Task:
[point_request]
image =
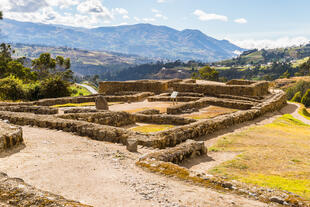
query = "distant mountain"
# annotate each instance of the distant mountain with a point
(140, 39)
(83, 62)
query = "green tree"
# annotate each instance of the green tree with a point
(11, 88)
(47, 66)
(208, 73)
(5, 58)
(305, 67)
(1, 15)
(306, 98)
(286, 74)
(54, 87)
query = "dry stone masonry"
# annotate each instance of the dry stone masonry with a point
(174, 145)
(10, 136)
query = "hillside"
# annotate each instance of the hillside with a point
(84, 62)
(266, 56)
(141, 39)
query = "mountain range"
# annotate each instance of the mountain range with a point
(141, 39)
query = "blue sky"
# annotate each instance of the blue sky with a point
(248, 23)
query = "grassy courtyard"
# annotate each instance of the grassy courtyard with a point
(275, 155)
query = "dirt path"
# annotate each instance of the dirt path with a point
(102, 174)
(293, 108)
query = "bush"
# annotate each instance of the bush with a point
(297, 97)
(11, 88)
(301, 86)
(306, 99)
(54, 87)
(32, 91)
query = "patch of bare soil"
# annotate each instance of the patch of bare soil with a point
(102, 174)
(140, 106)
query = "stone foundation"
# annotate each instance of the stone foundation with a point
(30, 109)
(204, 102)
(10, 136)
(111, 87)
(15, 192)
(256, 89)
(110, 118)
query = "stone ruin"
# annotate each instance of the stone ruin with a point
(251, 99)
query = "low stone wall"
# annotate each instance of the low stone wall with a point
(162, 119)
(10, 136)
(92, 98)
(204, 102)
(30, 109)
(129, 98)
(177, 154)
(16, 103)
(80, 110)
(239, 82)
(110, 118)
(111, 87)
(149, 112)
(176, 135)
(15, 192)
(169, 99)
(253, 90)
(81, 128)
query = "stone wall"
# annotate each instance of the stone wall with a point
(177, 154)
(239, 82)
(80, 110)
(162, 119)
(30, 109)
(111, 87)
(253, 90)
(81, 128)
(92, 98)
(15, 192)
(204, 102)
(10, 136)
(176, 135)
(169, 99)
(110, 118)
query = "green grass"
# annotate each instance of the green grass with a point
(82, 104)
(151, 128)
(79, 91)
(304, 112)
(275, 155)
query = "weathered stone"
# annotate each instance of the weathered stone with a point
(132, 145)
(101, 103)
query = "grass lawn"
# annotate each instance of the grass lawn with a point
(151, 128)
(304, 112)
(275, 155)
(82, 104)
(79, 91)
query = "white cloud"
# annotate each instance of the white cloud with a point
(271, 44)
(126, 17)
(162, 1)
(207, 17)
(121, 11)
(155, 11)
(161, 16)
(25, 6)
(241, 21)
(94, 7)
(148, 19)
(63, 3)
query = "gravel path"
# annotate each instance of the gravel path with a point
(102, 174)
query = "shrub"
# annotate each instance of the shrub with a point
(11, 88)
(301, 86)
(297, 97)
(54, 87)
(306, 99)
(32, 91)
